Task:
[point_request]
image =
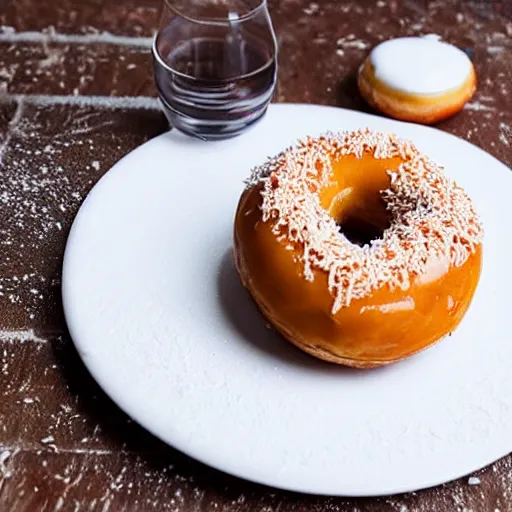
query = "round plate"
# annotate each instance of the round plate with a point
(157, 313)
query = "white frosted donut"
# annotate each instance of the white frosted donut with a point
(419, 79)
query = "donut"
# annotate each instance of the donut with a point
(357, 248)
(417, 79)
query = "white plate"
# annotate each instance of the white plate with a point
(159, 317)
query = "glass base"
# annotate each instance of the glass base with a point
(206, 129)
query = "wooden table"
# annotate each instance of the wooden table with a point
(76, 94)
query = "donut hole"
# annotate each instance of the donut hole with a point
(354, 198)
(360, 230)
(364, 223)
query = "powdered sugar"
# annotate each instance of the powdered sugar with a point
(110, 102)
(431, 217)
(20, 336)
(5, 455)
(505, 134)
(9, 35)
(11, 129)
(37, 196)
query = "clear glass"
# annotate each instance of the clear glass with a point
(215, 64)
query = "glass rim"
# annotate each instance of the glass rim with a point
(213, 20)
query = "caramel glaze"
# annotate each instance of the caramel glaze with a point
(372, 331)
(425, 109)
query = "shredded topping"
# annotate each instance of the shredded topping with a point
(431, 217)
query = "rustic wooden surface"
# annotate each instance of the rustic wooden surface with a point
(76, 94)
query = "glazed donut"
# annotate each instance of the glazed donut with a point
(357, 248)
(418, 79)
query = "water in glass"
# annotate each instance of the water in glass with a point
(215, 65)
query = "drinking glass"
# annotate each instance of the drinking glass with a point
(215, 65)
